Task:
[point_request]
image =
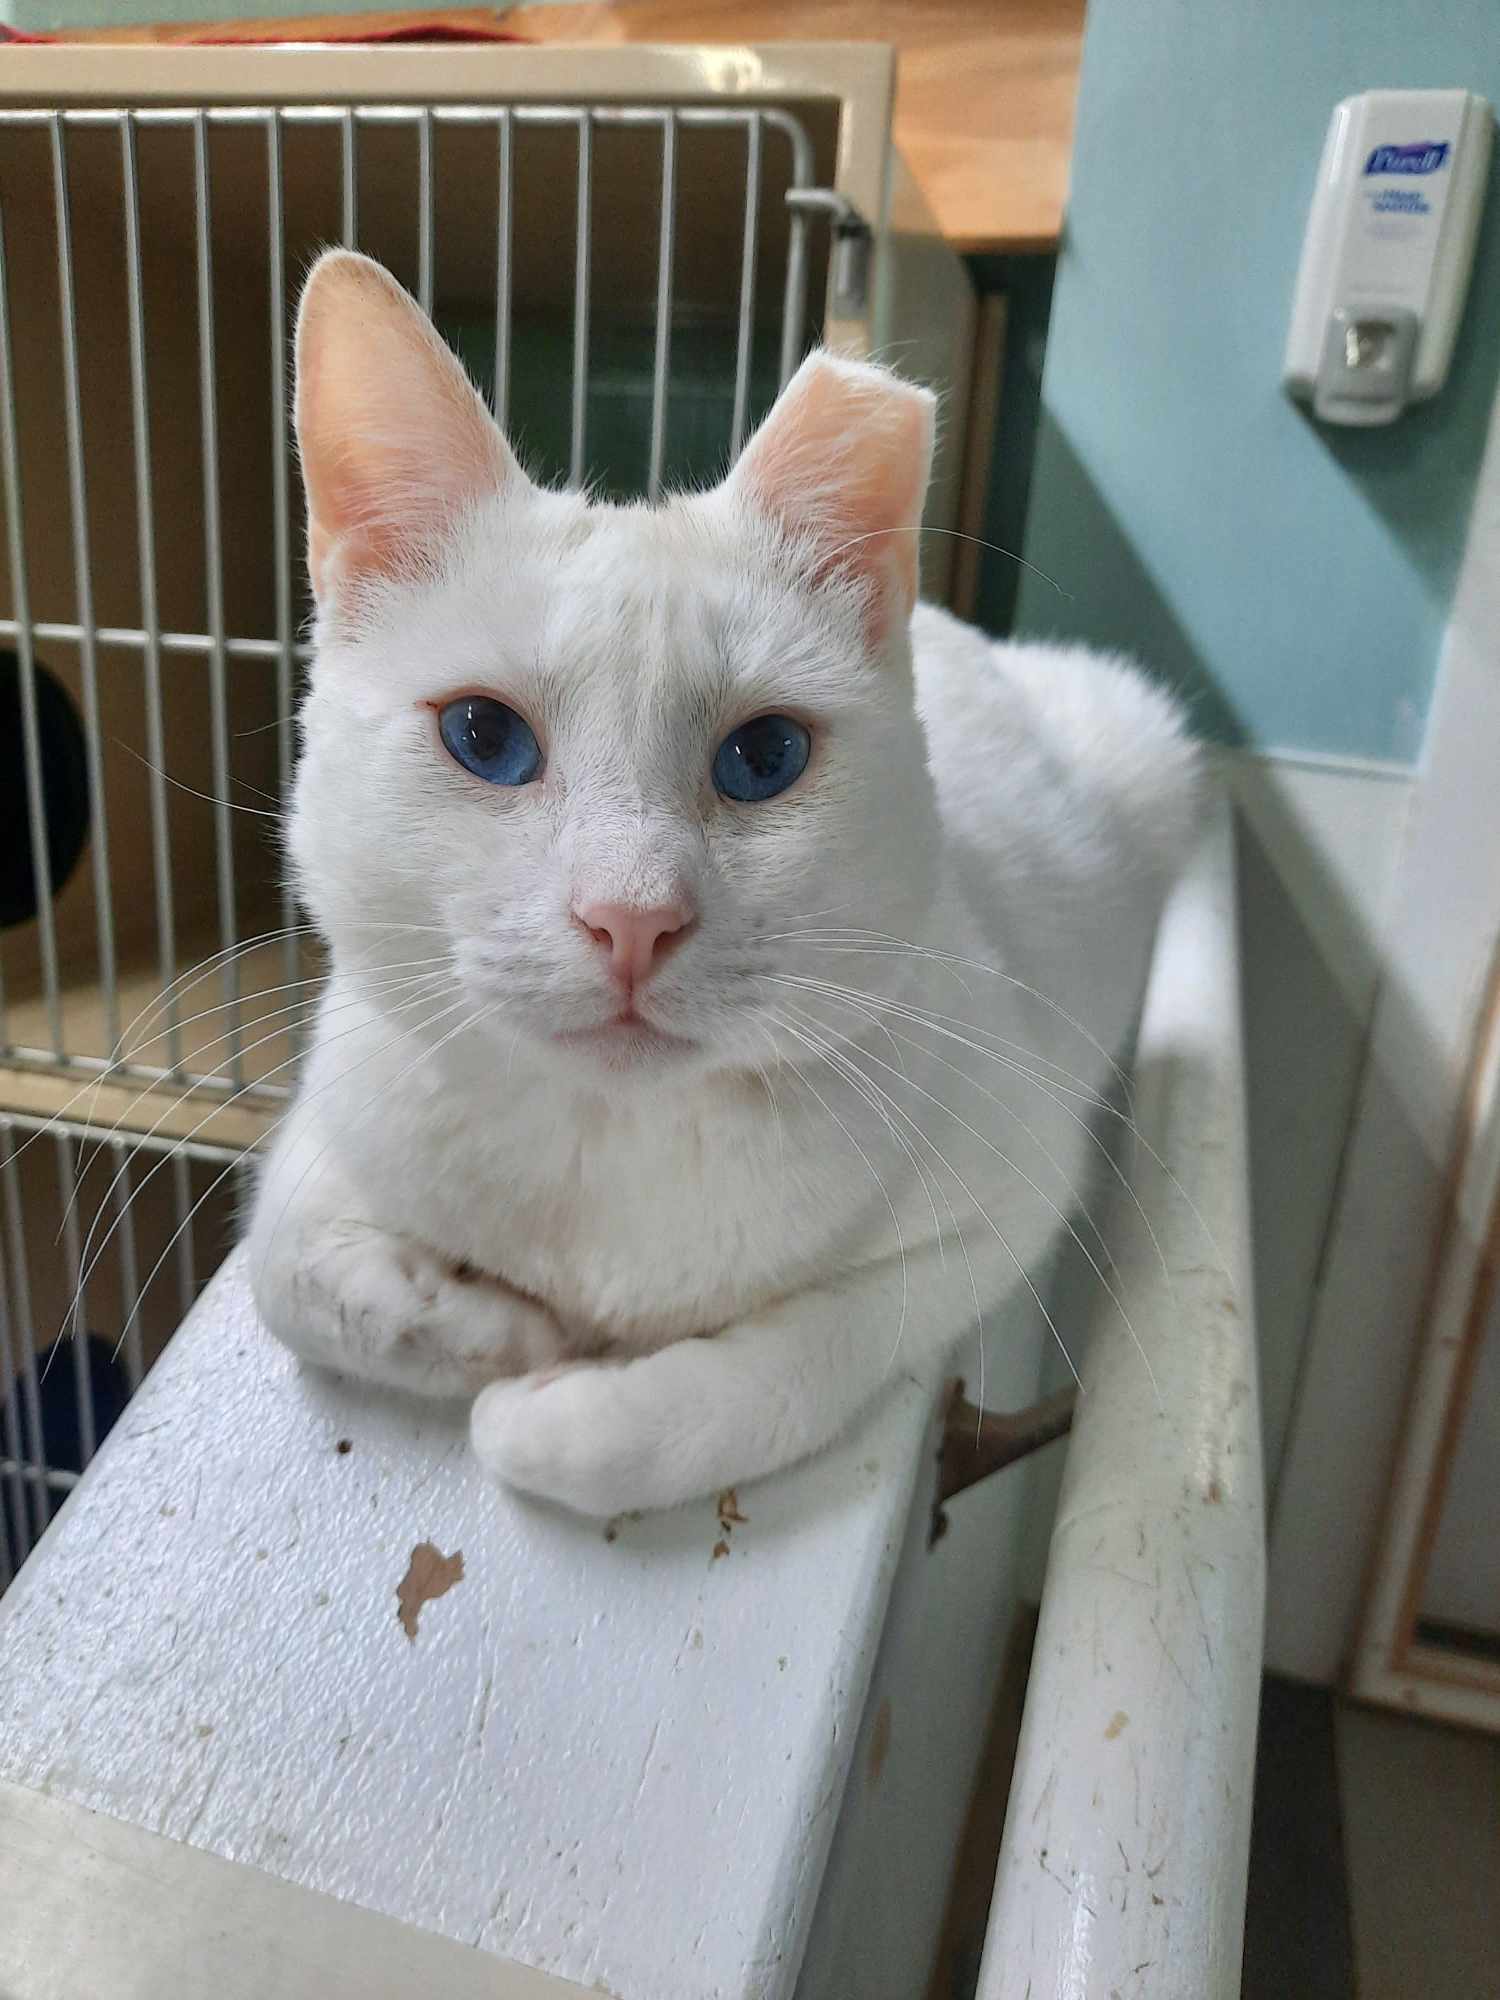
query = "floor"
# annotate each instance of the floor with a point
(1375, 1862)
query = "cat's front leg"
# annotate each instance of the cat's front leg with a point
(344, 1292)
(701, 1415)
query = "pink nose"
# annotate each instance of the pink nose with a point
(636, 940)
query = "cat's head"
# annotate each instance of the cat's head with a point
(606, 762)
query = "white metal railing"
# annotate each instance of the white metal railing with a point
(1126, 1849)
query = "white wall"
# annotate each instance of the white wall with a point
(1318, 846)
(1437, 949)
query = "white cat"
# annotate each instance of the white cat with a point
(682, 1072)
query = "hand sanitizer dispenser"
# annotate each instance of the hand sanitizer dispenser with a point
(1388, 251)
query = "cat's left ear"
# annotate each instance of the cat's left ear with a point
(395, 440)
(841, 465)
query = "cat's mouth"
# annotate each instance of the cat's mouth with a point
(628, 1037)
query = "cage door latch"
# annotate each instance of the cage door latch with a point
(853, 240)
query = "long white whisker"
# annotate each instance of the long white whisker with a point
(234, 1166)
(422, 1055)
(376, 988)
(958, 535)
(938, 1024)
(1019, 1048)
(1010, 979)
(194, 975)
(1042, 1195)
(824, 938)
(903, 1010)
(191, 976)
(828, 910)
(1025, 1276)
(872, 1096)
(382, 990)
(213, 1112)
(951, 1027)
(870, 1009)
(1083, 1125)
(114, 1063)
(318, 980)
(802, 1078)
(765, 1077)
(877, 1101)
(963, 1247)
(259, 812)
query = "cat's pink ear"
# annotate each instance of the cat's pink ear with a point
(394, 438)
(841, 465)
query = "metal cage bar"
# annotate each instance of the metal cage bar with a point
(504, 249)
(281, 533)
(581, 274)
(182, 1237)
(41, 865)
(130, 1262)
(213, 569)
(662, 363)
(30, 1124)
(24, 1341)
(83, 588)
(566, 115)
(749, 247)
(151, 646)
(349, 171)
(15, 1536)
(77, 1317)
(133, 639)
(426, 219)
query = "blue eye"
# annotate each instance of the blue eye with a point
(490, 740)
(761, 758)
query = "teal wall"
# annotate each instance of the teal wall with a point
(1293, 579)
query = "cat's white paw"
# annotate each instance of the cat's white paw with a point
(385, 1307)
(578, 1437)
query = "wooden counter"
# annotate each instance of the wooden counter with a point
(984, 109)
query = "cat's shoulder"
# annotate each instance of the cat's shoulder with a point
(1057, 730)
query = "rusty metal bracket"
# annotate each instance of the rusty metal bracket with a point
(978, 1442)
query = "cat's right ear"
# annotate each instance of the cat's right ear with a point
(841, 465)
(394, 438)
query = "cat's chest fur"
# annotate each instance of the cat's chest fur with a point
(642, 1222)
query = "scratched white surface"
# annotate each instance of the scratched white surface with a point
(619, 1761)
(1123, 1869)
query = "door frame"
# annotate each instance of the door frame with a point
(1392, 1231)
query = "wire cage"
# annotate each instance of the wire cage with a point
(147, 1218)
(629, 280)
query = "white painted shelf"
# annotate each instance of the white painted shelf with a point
(619, 1759)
